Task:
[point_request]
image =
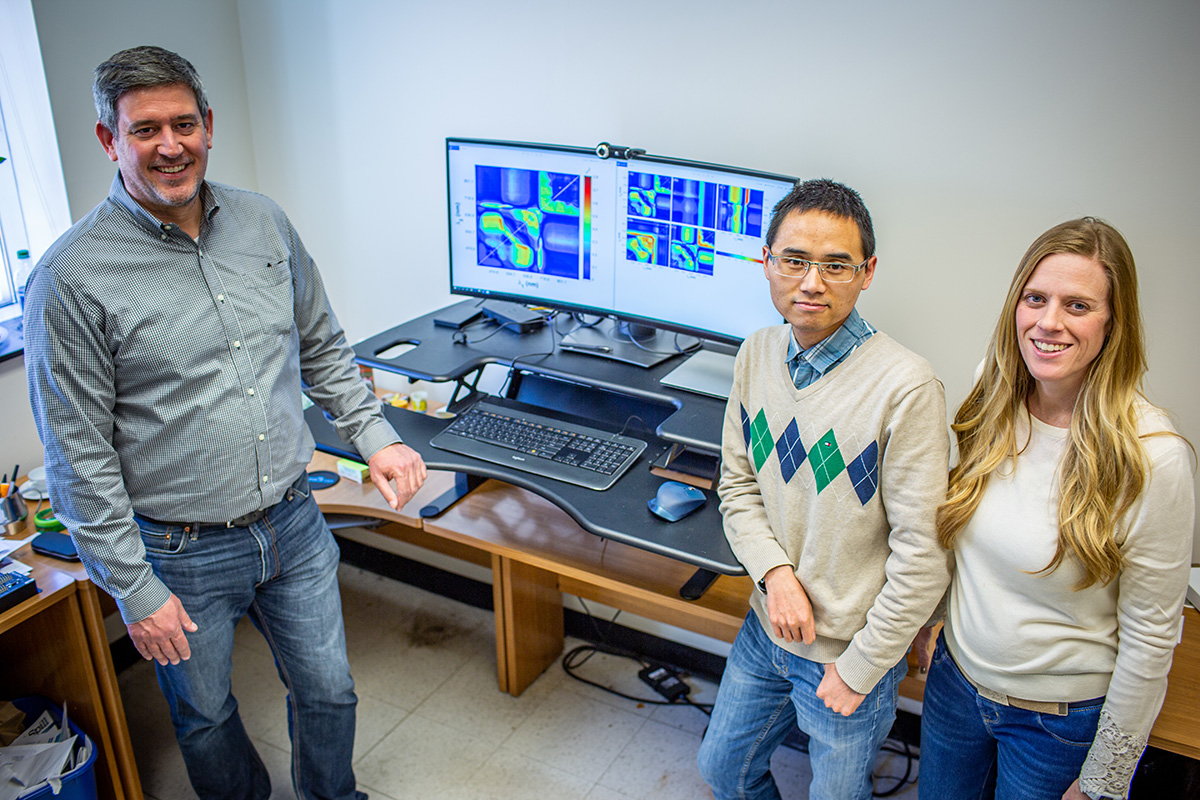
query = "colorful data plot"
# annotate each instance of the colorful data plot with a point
(740, 210)
(692, 249)
(698, 209)
(649, 196)
(530, 220)
(648, 242)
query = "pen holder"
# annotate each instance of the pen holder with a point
(12, 513)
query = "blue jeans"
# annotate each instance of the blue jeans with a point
(765, 692)
(972, 747)
(282, 571)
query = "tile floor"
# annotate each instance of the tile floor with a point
(432, 724)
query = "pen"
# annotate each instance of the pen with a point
(591, 348)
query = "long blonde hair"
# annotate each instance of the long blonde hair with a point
(1104, 467)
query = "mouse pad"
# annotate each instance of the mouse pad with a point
(322, 478)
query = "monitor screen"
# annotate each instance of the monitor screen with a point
(667, 242)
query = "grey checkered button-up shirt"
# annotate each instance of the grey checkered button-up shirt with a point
(166, 374)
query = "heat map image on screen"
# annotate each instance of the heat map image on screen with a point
(692, 249)
(740, 210)
(529, 220)
(648, 242)
(697, 211)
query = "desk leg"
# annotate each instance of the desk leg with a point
(463, 483)
(529, 622)
(698, 584)
(106, 677)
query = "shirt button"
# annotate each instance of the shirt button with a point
(262, 437)
(221, 298)
(249, 391)
(264, 478)
(237, 345)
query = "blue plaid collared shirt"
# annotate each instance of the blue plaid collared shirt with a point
(807, 366)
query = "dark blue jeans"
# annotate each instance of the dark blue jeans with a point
(972, 747)
(765, 693)
(282, 571)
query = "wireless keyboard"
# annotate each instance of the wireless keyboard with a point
(539, 444)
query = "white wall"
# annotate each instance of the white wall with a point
(968, 130)
(76, 35)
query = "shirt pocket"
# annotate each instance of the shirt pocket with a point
(270, 294)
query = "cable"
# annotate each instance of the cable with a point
(580, 655)
(623, 328)
(460, 336)
(587, 612)
(629, 420)
(902, 781)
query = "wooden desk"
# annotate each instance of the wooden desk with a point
(54, 645)
(1178, 725)
(537, 552)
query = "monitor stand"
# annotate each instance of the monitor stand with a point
(640, 345)
(705, 372)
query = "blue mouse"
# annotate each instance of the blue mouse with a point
(676, 500)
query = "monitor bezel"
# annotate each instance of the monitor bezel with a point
(574, 308)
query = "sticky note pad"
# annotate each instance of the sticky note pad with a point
(353, 470)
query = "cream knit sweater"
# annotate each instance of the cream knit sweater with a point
(840, 480)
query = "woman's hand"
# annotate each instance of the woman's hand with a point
(923, 646)
(1073, 792)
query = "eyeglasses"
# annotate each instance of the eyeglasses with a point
(831, 271)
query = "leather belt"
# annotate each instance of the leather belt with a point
(1058, 709)
(244, 521)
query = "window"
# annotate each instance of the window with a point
(33, 198)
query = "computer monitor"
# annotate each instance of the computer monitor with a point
(663, 242)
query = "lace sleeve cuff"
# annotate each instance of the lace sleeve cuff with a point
(1111, 760)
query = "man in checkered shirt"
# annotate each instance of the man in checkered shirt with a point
(169, 336)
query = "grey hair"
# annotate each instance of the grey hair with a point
(140, 68)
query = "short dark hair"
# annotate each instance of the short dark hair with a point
(822, 194)
(139, 68)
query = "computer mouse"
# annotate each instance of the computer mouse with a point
(676, 500)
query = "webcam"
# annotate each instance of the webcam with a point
(621, 152)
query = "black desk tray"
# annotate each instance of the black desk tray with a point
(619, 514)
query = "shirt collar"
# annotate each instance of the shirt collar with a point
(834, 347)
(119, 194)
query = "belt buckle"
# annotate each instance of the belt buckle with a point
(1058, 709)
(246, 520)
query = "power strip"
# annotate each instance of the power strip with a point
(664, 681)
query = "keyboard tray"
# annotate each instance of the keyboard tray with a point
(539, 444)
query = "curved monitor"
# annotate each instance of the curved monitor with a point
(670, 243)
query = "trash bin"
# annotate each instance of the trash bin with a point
(79, 783)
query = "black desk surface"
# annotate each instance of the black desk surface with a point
(620, 513)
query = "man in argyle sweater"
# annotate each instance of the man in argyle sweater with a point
(834, 462)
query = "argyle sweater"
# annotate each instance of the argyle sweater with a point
(841, 480)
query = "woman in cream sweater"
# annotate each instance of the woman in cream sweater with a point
(1070, 516)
